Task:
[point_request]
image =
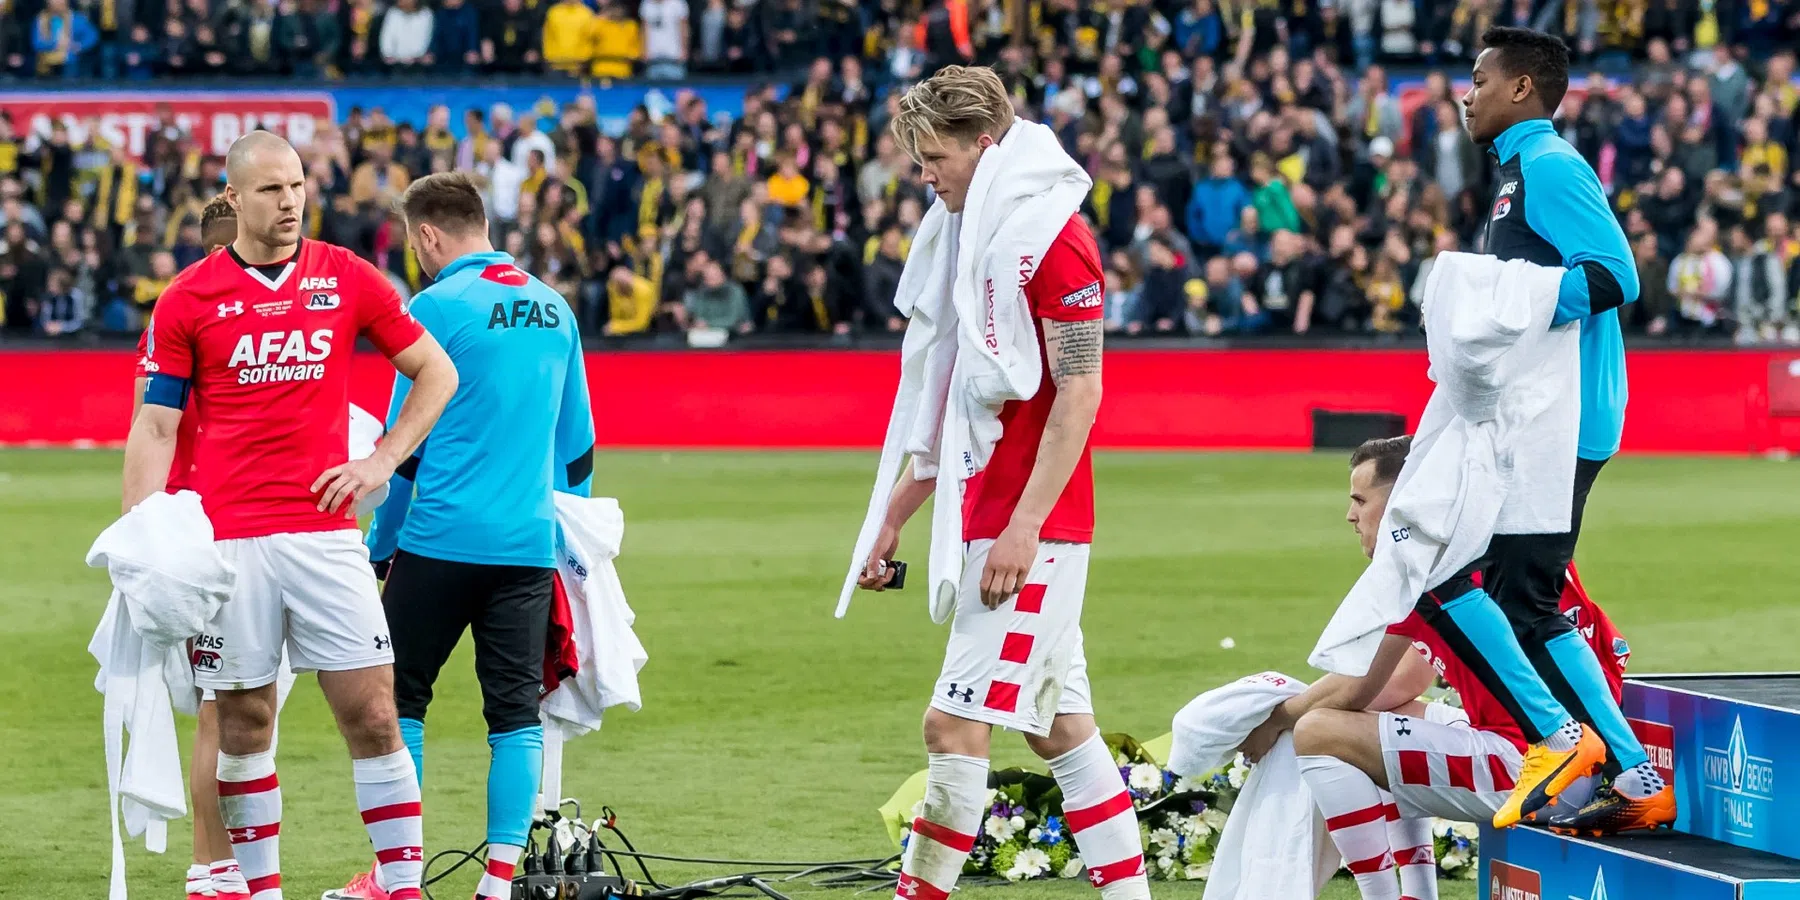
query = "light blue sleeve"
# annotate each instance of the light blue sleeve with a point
(390, 516)
(575, 425)
(1568, 208)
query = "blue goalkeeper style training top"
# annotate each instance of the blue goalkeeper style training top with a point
(479, 490)
(1549, 209)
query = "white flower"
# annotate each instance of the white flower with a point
(1120, 761)
(1018, 822)
(1146, 778)
(1072, 869)
(1454, 861)
(1165, 863)
(1163, 838)
(1237, 773)
(1197, 828)
(1468, 831)
(1200, 872)
(1186, 783)
(1030, 863)
(1035, 835)
(1214, 817)
(1000, 829)
(1442, 827)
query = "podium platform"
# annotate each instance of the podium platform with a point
(1730, 744)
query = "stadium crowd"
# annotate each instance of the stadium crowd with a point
(1256, 169)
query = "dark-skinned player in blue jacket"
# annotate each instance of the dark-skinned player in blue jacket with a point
(1550, 209)
(470, 520)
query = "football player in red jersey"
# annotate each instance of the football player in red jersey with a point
(260, 336)
(1371, 771)
(1015, 657)
(214, 873)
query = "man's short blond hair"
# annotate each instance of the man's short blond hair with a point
(960, 102)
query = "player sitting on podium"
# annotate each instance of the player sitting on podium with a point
(1437, 761)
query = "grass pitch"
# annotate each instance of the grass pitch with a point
(771, 730)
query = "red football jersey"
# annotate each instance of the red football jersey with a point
(267, 353)
(1484, 711)
(1068, 286)
(181, 467)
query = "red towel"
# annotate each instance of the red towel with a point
(560, 661)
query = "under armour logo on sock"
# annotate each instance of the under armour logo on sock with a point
(909, 886)
(382, 642)
(242, 835)
(966, 695)
(1400, 726)
(411, 853)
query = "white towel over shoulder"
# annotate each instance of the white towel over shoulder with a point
(971, 343)
(1495, 448)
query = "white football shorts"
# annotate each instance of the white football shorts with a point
(1440, 766)
(1021, 665)
(313, 592)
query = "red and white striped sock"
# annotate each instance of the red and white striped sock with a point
(228, 880)
(1414, 853)
(199, 881)
(496, 882)
(387, 792)
(1357, 819)
(250, 805)
(1102, 820)
(945, 831)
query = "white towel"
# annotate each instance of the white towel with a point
(1495, 448)
(589, 533)
(168, 579)
(971, 344)
(1274, 846)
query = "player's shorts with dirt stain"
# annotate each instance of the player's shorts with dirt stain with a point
(1021, 665)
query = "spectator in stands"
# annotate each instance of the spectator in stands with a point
(1700, 280)
(61, 38)
(618, 42)
(1216, 205)
(1283, 287)
(631, 301)
(407, 33)
(716, 302)
(569, 37)
(456, 36)
(64, 307)
(1759, 289)
(665, 26)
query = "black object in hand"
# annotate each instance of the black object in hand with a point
(898, 579)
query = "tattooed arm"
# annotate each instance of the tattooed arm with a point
(1072, 351)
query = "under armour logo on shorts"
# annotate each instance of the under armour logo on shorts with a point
(382, 642)
(1400, 726)
(966, 695)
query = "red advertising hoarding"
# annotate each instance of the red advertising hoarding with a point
(216, 118)
(1682, 401)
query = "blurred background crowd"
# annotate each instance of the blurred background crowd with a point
(1261, 167)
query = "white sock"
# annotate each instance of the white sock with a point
(496, 881)
(1102, 820)
(1357, 819)
(945, 831)
(228, 878)
(199, 879)
(250, 805)
(1415, 855)
(1640, 782)
(1563, 739)
(387, 793)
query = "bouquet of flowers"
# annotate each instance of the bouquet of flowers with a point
(1024, 835)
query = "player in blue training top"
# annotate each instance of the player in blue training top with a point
(1549, 209)
(472, 537)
